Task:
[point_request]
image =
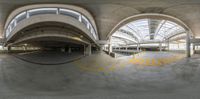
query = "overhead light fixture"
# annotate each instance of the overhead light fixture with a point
(25, 44)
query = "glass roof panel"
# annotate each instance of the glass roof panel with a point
(149, 30)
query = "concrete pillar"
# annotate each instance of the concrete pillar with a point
(102, 48)
(84, 49)
(160, 46)
(110, 48)
(25, 48)
(138, 47)
(69, 50)
(87, 49)
(188, 45)
(9, 48)
(168, 45)
(178, 45)
(193, 48)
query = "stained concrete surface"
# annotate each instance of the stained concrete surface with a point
(91, 78)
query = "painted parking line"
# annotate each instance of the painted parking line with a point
(140, 62)
(155, 61)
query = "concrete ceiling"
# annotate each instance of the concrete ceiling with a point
(51, 42)
(108, 13)
(40, 35)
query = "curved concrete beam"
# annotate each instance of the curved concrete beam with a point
(72, 7)
(50, 18)
(147, 15)
(175, 35)
(178, 38)
(124, 38)
(51, 35)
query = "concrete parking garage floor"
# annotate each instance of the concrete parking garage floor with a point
(99, 76)
(49, 57)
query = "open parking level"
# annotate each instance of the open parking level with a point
(89, 79)
(99, 49)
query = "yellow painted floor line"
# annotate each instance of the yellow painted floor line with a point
(155, 61)
(139, 61)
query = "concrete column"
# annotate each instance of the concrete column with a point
(110, 48)
(25, 48)
(138, 47)
(168, 45)
(178, 45)
(160, 46)
(101, 48)
(188, 45)
(87, 49)
(69, 50)
(193, 48)
(9, 48)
